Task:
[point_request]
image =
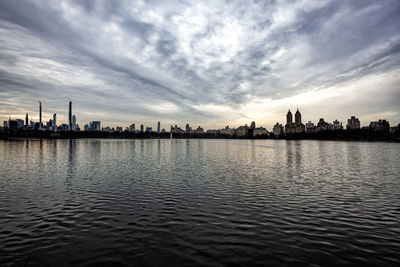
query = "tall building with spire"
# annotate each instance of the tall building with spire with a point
(70, 116)
(289, 122)
(297, 117)
(40, 115)
(54, 125)
(289, 118)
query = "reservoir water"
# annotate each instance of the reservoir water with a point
(198, 202)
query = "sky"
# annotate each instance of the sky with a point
(209, 63)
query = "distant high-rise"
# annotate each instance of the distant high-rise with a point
(322, 125)
(289, 118)
(188, 128)
(379, 125)
(158, 127)
(310, 127)
(94, 126)
(54, 122)
(70, 116)
(73, 123)
(278, 129)
(26, 119)
(40, 115)
(297, 126)
(141, 128)
(297, 117)
(353, 123)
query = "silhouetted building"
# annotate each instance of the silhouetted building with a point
(158, 127)
(40, 115)
(49, 124)
(149, 129)
(213, 132)
(176, 129)
(379, 125)
(70, 116)
(336, 125)
(199, 130)
(63, 127)
(353, 123)
(297, 126)
(107, 129)
(250, 130)
(95, 126)
(310, 127)
(20, 124)
(242, 130)
(54, 126)
(227, 131)
(289, 118)
(142, 128)
(278, 129)
(322, 125)
(26, 120)
(73, 125)
(13, 124)
(132, 127)
(188, 128)
(260, 131)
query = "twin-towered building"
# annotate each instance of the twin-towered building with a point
(297, 126)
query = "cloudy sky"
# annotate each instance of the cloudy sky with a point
(208, 63)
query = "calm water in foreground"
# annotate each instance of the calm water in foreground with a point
(199, 202)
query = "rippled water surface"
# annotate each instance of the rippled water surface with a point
(199, 202)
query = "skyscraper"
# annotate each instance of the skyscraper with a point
(289, 118)
(54, 122)
(141, 128)
(26, 119)
(94, 126)
(158, 127)
(70, 116)
(73, 128)
(289, 122)
(40, 115)
(297, 117)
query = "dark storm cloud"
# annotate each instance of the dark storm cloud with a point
(180, 61)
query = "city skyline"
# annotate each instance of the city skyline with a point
(211, 64)
(294, 125)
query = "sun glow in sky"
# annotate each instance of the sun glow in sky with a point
(208, 63)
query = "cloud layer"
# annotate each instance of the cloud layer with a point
(209, 63)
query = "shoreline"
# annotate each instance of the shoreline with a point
(12, 138)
